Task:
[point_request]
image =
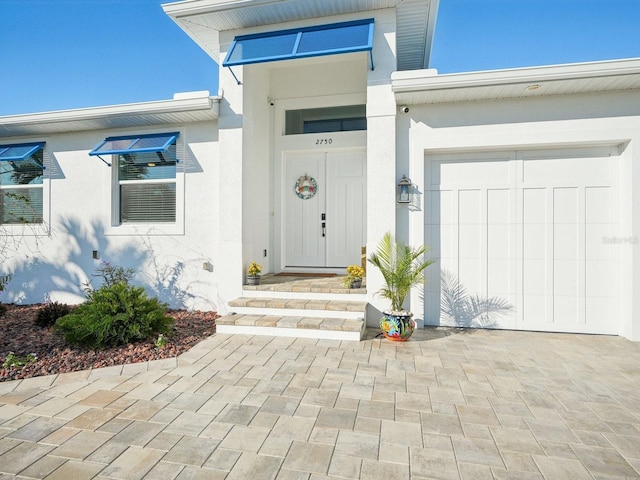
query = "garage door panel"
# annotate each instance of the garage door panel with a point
(470, 275)
(499, 279)
(534, 239)
(566, 241)
(599, 280)
(470, 207)
(534, 311)
(566, 167)
(535, 279)
(599, 312)
(470, 172)
(499, 206)
(596, 247)
(598, 205)
(565, 205)
(499, 238)
(534, 203)
(528, 229)
(566, 310)
(566, 275)
(470, 241)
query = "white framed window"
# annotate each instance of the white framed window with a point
(147, 181)
(21, 183)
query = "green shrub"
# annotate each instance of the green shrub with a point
(114, 314)
(14, 361)
(110, 275)
(50, 312)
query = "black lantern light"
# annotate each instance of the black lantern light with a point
(404, 190)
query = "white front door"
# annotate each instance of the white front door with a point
(325, 208)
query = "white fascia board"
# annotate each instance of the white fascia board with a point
(425, 80)
(92, 113)
(431, 30)
(195, 7)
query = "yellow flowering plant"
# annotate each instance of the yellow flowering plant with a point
(254, 269)
(354, 273)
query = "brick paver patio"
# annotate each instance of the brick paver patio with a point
(448, 404)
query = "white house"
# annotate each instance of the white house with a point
(524, 182)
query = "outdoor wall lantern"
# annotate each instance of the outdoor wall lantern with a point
(404, 190)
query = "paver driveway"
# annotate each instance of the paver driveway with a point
(448, 404)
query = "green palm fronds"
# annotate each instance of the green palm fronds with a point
(401, 266)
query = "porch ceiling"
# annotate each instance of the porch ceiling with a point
(178, 110)
(202, 20)
(427, 87)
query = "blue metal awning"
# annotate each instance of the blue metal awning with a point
(132, 144)
(331, 39)
(20, 151)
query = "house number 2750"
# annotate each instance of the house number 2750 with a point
(324, 141)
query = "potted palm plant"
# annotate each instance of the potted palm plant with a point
(402, 267)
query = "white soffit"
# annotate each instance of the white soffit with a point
(427, 87)
(202, 20)
(183, 108)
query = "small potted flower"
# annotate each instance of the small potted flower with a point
(354, 276)
(253, 273)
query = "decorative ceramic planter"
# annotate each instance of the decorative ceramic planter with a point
(397, 326)
(356, 283)
(253, 280)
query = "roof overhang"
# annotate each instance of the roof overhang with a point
(427, 87)
(203, 20)
(183, 108)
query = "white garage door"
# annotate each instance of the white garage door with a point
(523, 240)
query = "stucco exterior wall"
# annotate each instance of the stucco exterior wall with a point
(561, 121)
(168, 259)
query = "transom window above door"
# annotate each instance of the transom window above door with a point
(347, 118)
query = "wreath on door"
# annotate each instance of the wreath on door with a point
(306, 187)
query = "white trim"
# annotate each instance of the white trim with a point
(290, 332)
(421, 86)
(163, 111)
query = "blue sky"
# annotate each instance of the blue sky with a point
(64, 54)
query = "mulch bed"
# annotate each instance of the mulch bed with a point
(19, 334)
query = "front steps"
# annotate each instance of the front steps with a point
(303, 308)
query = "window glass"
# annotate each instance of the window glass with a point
(249, 49)
(21, 189)
(345, 37)
(329, 119)
(147, 187)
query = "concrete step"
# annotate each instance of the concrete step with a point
(293, 326)
(303, 307)
(278, 286)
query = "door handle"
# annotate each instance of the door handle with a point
(324, 228)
